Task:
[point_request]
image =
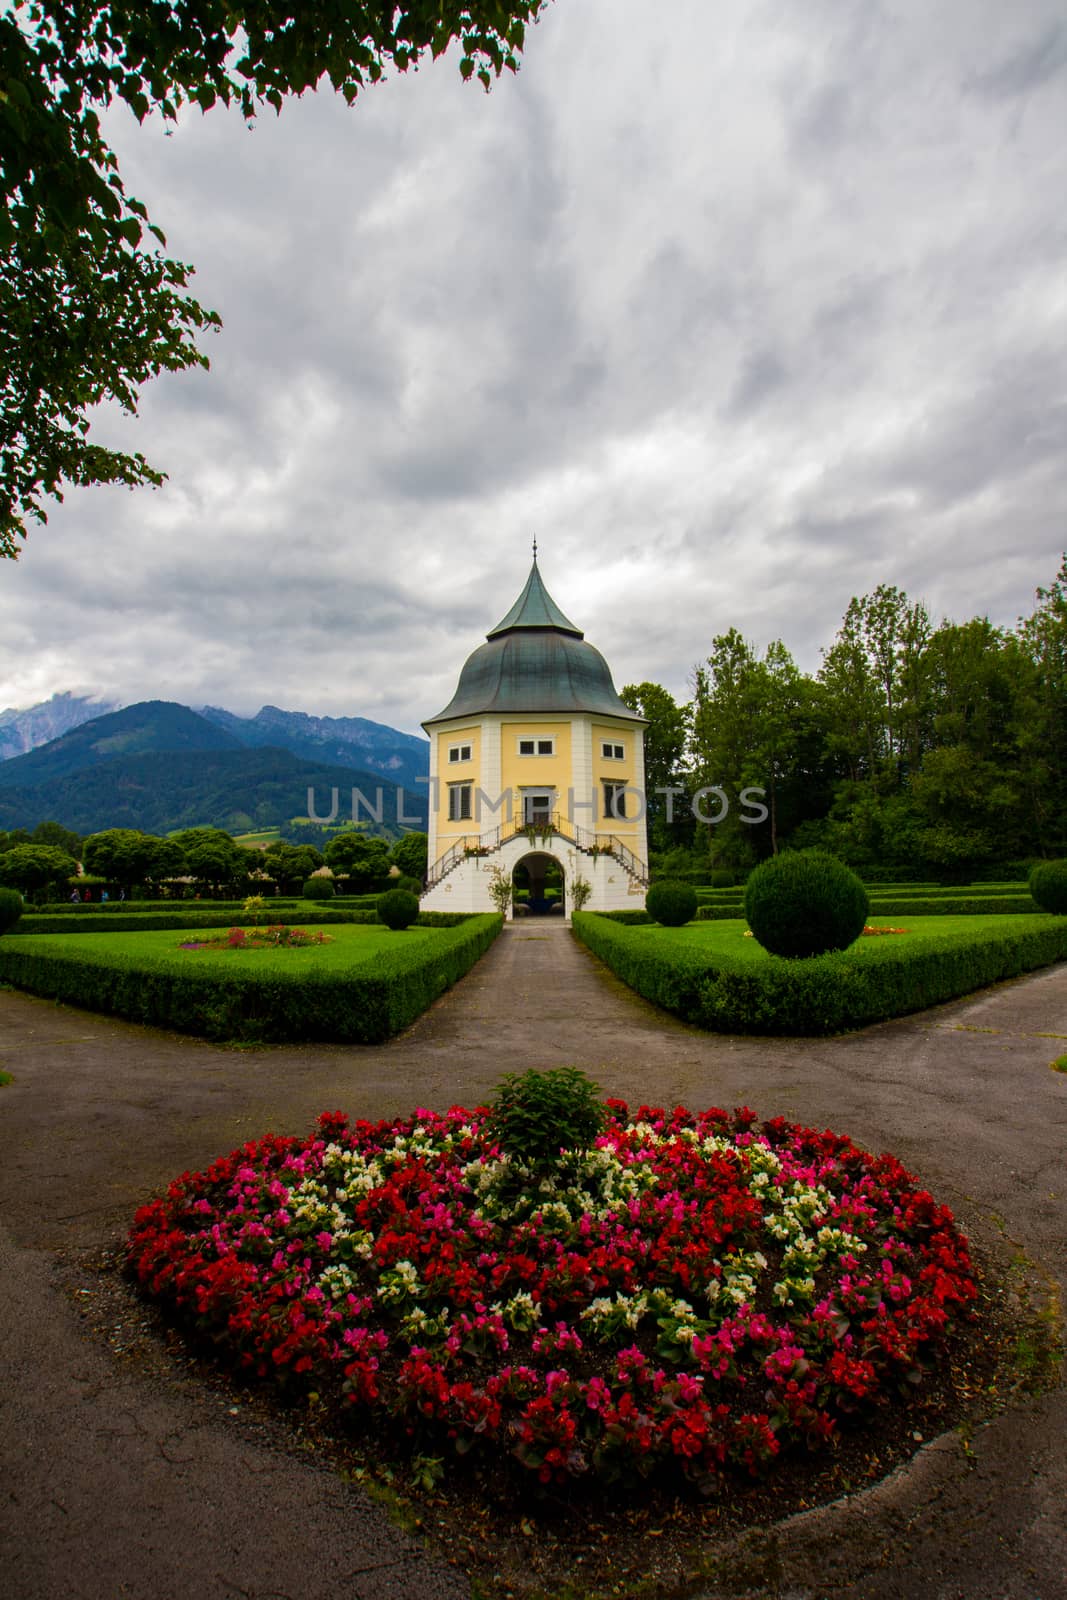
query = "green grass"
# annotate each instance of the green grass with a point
(725, 939)
(710, 974)
(350, 946)
(363, 986)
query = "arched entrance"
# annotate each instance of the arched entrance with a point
(538, 885)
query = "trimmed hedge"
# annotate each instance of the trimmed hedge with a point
(824, 994)
(366, 1005)
(1048, 885)
(151, 921)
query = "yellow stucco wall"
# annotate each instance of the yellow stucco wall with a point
(456, 772)
(612, 771)
(543, 772)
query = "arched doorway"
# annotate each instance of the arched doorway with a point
(538, 885)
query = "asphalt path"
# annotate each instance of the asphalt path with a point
(115, 1483)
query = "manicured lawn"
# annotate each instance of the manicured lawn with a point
(725, 939)
(710, 974)
(361, 987)
(350, 945)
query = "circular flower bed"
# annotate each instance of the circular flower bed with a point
(693, 1294)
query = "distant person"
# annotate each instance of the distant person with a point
(122, 895)
(103, 897)
(87, 897)
(75, 897)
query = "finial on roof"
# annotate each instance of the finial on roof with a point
(535, 546)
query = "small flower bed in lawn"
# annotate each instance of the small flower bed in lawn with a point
(258, 939)
(691, 1297)
(867, 933)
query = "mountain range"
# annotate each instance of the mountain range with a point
(159, 766)
(25, 730)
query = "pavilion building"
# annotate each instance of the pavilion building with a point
(536, 764)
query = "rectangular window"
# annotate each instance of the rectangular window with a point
(459, 802)
(615, 802)
(613, 752)
(537, 747)
(459, 752)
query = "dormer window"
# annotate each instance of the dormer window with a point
(459, 752)
(537, 747)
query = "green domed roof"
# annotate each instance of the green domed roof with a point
(535, 660)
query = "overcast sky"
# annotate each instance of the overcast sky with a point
(740, 308)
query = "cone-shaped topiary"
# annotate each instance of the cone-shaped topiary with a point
(398, 908)
(671, 903)
(804, 903)
(10, 908)
(1048, 886)
(318, 889)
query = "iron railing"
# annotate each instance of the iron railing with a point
(543, 829)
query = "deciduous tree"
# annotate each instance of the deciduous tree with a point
(90, 304)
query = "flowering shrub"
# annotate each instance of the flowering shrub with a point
(259, 939)
(692, 1295)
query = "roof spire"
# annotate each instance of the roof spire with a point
(535, 547)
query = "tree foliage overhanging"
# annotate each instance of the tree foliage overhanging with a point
(91, 306)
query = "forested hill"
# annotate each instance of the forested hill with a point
(234, 789)
(340, 741)
(149, 726)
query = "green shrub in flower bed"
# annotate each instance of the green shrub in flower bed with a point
(712, 975)
(361, 987)
(687, 1301)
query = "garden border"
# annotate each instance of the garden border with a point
(365, 1006)
(823, 994)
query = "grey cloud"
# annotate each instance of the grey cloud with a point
(1032, 65)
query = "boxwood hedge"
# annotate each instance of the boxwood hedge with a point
(150, 921)
(824, 994)
(361, 1006)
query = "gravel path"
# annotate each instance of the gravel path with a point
(118, 1484)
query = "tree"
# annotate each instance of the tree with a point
(410, 854)
(665, 742)
(212, 857)
(90, 306)
(31, 867)
(121, 855)
(360, 856)
(290, 864)
(62, 838)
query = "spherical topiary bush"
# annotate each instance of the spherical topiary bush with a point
(398, 908)
(671, 903)
(10, 908)
(804, 903)
(412, 885)
(1048, 886)
(318, 889)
